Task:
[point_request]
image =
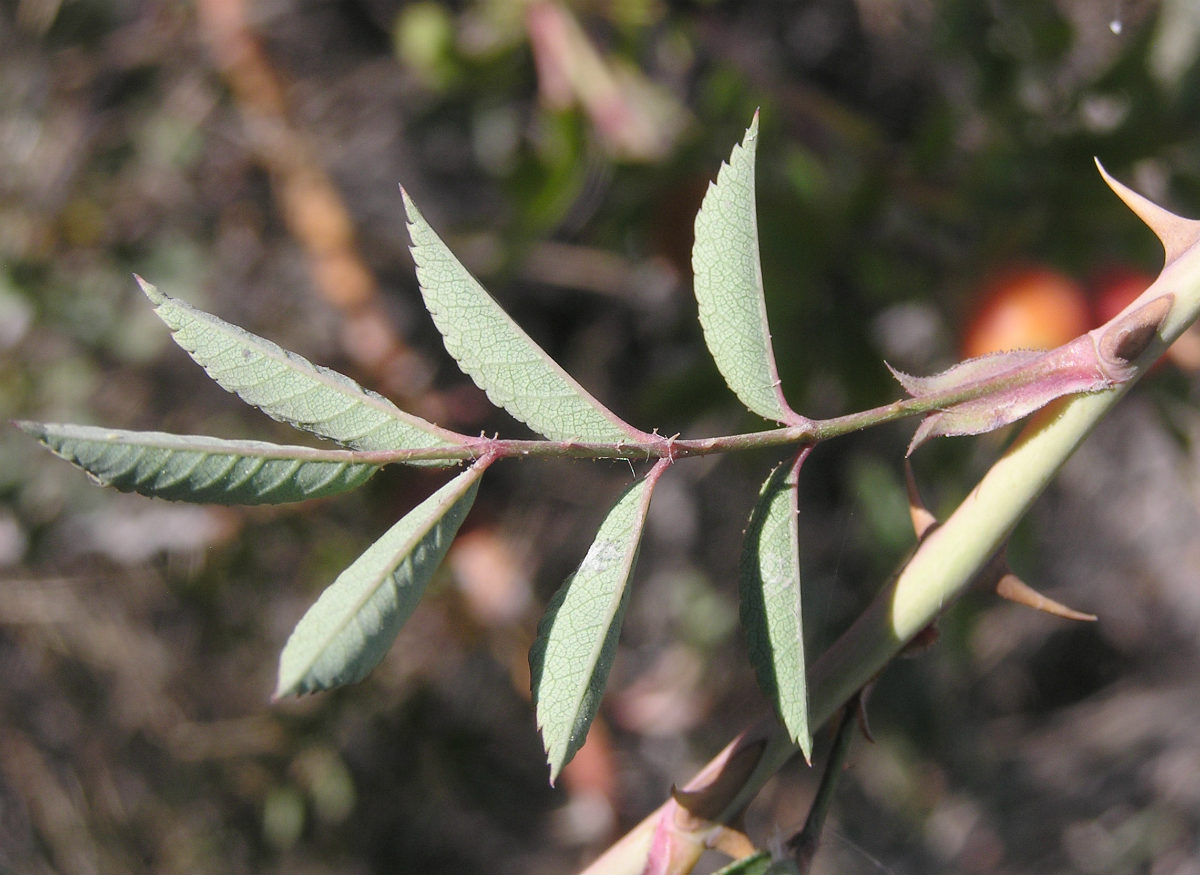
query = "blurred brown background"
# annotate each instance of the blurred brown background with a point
(245, 157)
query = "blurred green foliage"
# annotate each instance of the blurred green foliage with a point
(907, 151)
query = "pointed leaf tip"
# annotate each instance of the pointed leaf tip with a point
(150, 290)
(288, 387)
(729, 289)
(770, 601)
(577, 637)
(350, 628)
(1176, 233)
(497, 354)
(201, 469)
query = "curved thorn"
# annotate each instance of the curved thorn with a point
(1176, 233)
(860, 712)
(1014, 589)
(922, 519)
(734, 843)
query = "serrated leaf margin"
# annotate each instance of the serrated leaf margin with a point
(770, 600)
(202, 469)
(498, 355)
(729, 288)
(353, 623)
(316, 399)
(577, 636)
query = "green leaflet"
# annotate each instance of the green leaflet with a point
(770, 601)
(501, 358)
(292, 389)
(577, 637)
(202, 469)
(758, 863)
(351, 626)
(729, 289)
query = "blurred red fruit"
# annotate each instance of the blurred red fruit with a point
(1114, 288)
(1030, 307)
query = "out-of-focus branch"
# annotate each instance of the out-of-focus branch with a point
(313, 210)
(636, 120)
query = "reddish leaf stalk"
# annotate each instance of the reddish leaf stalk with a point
(972, 397)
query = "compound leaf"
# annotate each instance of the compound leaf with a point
(202, 469)
(500, 357)
(577, 637)
(770, 601)
(290, 388)
(729, 289)
(351, 626)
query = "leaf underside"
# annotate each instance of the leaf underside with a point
(498, 355)
(770, 602)
(729, 289)
(292, 389)
(577, 636)
(201, 469)
(351, 626)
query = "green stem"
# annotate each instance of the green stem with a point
(938, 572)
(804, 843)
(944, 564)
